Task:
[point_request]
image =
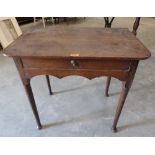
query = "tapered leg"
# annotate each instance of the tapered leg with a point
(48, 84)
(107, 86)
(28, 89)
(121, 102)
(30, 96)
(125, 89)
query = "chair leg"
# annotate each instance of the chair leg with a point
(107, 86)
(43, 20)
(34, 20)
(52, 20)
(48, 84)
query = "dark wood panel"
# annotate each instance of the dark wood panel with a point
(119, 74)
(96, 43)
(74, 63)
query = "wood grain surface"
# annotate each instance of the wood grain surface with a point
(96, 43)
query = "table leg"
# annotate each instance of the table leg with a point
(107, 86)
(48, 84)
(125, 89)
(30, 96)
(121, 102)
(28, 89)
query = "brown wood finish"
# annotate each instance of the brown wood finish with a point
(134, 31)
(108, 21)
(125, 89)
(49, 85)
(28, 90)
(107, 86)
(136, 25)
(80, 64)
(84, 43)
(78, 51)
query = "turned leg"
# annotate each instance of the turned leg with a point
(121, 102)
(125, 89)
(28, 89)
(48, 84)
(30, 96)
(107, 86)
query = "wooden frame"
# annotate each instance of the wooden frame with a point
(78, 51)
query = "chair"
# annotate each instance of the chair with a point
(9, 31)
(43, 20)
(108, 23)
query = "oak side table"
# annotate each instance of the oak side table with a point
(88, 52)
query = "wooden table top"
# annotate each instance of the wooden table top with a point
(66, 42)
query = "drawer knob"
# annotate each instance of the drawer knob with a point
(74, 63)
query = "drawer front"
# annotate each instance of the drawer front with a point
(48, 63)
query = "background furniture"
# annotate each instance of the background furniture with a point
(56, 20)
(24, 20)
(88, 52)
(43, 20)
(9, 31)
